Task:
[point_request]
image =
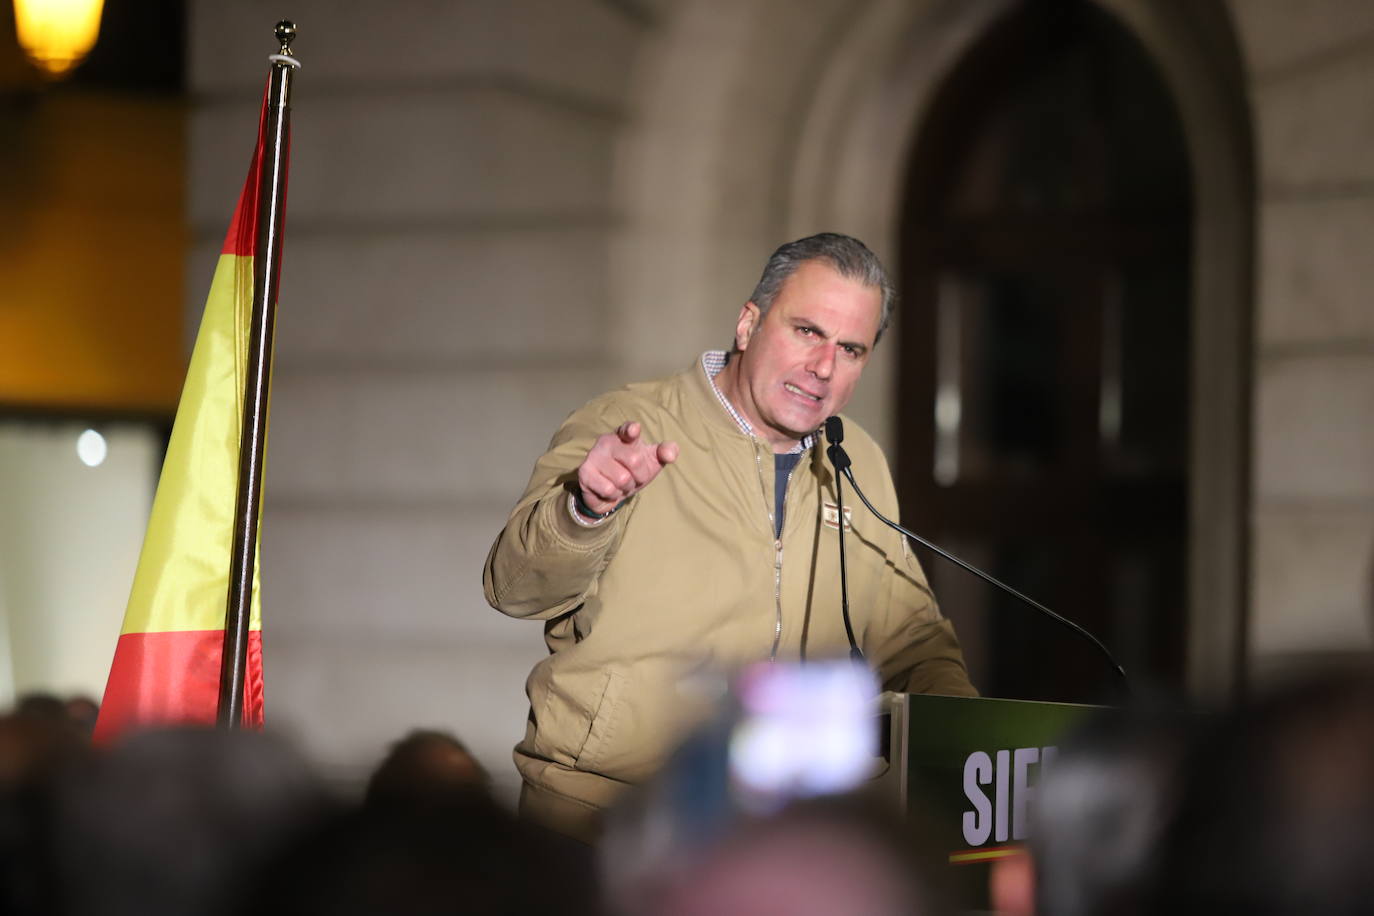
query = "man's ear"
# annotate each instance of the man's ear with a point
(749, 319)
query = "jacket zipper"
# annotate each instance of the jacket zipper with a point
(777, 549)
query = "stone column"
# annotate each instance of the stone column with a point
(1310, 66)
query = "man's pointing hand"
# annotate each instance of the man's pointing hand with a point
(619, 465)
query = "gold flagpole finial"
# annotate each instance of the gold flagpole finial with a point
(286, 33)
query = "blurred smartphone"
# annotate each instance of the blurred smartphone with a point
(802, 730)
(784, 731)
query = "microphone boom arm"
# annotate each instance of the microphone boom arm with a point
(1063, 621)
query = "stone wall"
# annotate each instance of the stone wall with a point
(1310, 67)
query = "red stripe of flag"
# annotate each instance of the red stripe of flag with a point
(241, 238)
(146, 663)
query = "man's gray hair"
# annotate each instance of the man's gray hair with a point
(850, 258)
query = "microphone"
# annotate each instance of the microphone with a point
(834, 431)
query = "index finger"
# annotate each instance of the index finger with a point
(628, 432)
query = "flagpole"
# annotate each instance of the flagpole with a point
(253, 438)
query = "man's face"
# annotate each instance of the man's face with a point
(800, 362)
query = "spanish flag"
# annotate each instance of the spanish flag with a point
(166, 666)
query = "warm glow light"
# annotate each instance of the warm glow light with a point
(57, 34)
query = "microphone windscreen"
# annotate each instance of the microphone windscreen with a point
(834, 430)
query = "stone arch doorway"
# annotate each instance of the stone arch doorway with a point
(1045, 263)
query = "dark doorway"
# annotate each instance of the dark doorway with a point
(1045, 352)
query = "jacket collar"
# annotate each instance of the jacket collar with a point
(718, 408)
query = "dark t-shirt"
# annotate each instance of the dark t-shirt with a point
(782, 469)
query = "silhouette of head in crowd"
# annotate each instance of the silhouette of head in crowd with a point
(460, 853)
(1263, 810)
(1277, 809)
(820, 856)
(424, 765)
(175, 821)
(1100, 808)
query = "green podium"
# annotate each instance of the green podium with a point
(964, 769)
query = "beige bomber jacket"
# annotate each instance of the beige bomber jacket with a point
(686, 582)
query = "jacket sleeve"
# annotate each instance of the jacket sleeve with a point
(910, 644)
(543, 563)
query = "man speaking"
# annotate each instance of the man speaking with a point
(687, 526)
